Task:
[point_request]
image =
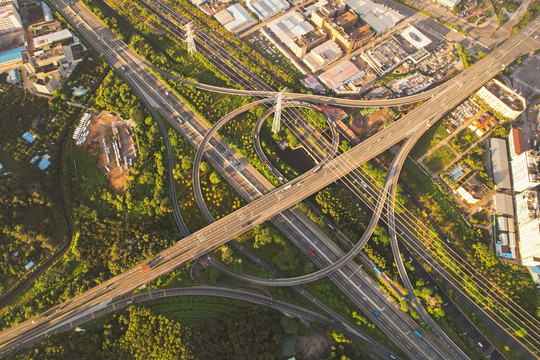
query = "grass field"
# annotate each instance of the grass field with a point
(430, 139)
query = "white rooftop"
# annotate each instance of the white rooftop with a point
(235, 18)
(449, 3)
(499, 160)
(52, 37)
(378, 16)
(265, 9)
(290, 26)
(415, 37)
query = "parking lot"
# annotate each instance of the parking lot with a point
(526, 77)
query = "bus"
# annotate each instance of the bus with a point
(312, 253)
(418, 334)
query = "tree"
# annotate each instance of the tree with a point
(214, 178)
(289, 325)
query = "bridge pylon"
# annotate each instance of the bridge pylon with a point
(276, 125)
(190, 40)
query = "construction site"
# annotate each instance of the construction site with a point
(110, 140)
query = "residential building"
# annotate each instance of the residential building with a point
(322, 55)
(499, 160)
(10, 20)
(302, 44)
(265, 9)
(8, 2)
(329, 10)
(525, 164)
(74, 53)
(482, 125)
(528, 220)
(502, 99)
(47, 83)
(342, 27)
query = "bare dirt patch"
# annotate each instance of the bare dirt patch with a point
(365, 125)
(314, 347)
(112, 145)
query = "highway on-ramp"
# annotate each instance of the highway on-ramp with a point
(234, 224)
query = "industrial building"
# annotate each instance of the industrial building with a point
(385, 57)
(504, 204)
(235, 18)
(502, 99)
(379, 17)
(341, 74)
(322, 55)
(449, 3)
(11, 59)
(265, 9)
(291, 27)
(499, 160)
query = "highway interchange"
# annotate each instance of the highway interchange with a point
(275, 201)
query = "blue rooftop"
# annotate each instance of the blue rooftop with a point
(1, 166)
(29, 137)
(13, 76)
(535, 269)
(10, 55)
(44, 163)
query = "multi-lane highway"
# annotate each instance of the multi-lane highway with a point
(236, 223)
(144, 83)
(229, 293)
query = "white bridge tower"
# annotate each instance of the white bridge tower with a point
(276, 125)
(192, 49)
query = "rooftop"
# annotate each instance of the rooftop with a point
(235, 18)
(339, 74)
(28, 137)
(507, 96)
(12, 40)
(504, 204)
(267, 8)
(57, 36)
(378, 16)
(517, 135)
(327, 50)
(11, 55)
(290, 26)
(346, 18)
(415, 37)
(499, 159)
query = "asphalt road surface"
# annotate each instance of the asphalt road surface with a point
(234, 224)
